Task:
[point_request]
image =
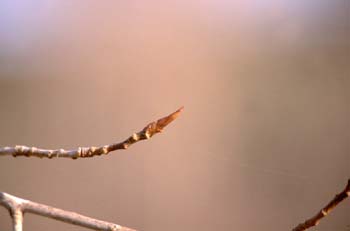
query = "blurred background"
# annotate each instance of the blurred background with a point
(263, 142)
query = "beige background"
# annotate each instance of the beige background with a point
(263, 142)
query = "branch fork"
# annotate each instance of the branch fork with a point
(17, 206)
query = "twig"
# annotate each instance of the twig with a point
(17, 207)
(83, 152)
(313, 221)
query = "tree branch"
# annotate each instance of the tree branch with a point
(17, 207)
(313, 221)
(83, 152)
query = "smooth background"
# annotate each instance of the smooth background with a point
(263, 142)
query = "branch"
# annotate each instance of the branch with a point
(83, 152)
(313, 221)
(17, 207)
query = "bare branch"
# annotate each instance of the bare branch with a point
(17, 207)
(83, 152)
(313, 221)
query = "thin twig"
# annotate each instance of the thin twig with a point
(83, 152)
(17, 207)
(313, 221)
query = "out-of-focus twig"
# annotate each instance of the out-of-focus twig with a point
(82, 152)
(313, 221)
(17, 207)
